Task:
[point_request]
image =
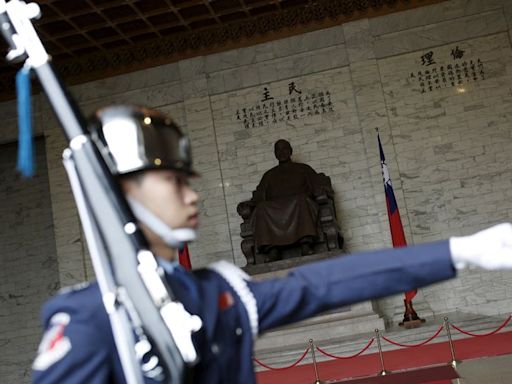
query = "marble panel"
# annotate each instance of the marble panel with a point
(358, 40)
(440, 33)
(191, 68)
(432, 14)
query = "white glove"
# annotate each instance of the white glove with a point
(488, 249)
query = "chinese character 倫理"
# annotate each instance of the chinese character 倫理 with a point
(428, 58)
(457, 53)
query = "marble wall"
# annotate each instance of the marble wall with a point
(448, 149)
(29, 270)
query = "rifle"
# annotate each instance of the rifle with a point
(144, 313)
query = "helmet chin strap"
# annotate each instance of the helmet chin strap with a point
(175, 238)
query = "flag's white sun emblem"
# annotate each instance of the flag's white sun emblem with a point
(385, 173)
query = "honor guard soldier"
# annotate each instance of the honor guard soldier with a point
(150, 158)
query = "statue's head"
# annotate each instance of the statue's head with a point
(283, 150)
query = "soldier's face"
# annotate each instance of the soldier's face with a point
(167, 194)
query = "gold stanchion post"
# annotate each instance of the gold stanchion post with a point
(313, 356)
(454, 362)
(383, 371)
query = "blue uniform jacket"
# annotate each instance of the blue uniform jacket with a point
(78, 346)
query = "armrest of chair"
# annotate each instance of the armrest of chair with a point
(323, 189)
(245, 209)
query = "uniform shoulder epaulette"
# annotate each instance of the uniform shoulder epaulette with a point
(74, 288)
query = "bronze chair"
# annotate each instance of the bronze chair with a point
(323, 196)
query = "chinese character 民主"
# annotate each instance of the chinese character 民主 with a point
(266, 95)
(293, 88)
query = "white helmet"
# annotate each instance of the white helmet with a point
(133, 139)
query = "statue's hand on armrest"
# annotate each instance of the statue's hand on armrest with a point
(245, 208)
(323, 187)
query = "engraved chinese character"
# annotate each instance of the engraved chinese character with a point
(266, 95)
(457, 53)
(293, 88)
(428, 59)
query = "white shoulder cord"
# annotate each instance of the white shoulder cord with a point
(237, 279)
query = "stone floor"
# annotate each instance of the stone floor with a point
(490, 370)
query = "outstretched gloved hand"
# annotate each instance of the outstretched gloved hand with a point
(488, 249)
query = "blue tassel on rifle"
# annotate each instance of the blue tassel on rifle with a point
(25, 141)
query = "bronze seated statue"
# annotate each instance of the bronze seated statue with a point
(291, 212)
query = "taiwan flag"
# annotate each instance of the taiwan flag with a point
(184, 257)
(395, 223)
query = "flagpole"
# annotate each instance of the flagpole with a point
(411, 318)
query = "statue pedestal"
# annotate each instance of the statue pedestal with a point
(283, 345)
(281, 267)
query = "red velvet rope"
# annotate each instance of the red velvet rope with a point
(346, 357)
(282, 368)
(414, 345)
(484, 334)
(389, 341)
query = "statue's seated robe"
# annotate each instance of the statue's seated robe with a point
(285, 210)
